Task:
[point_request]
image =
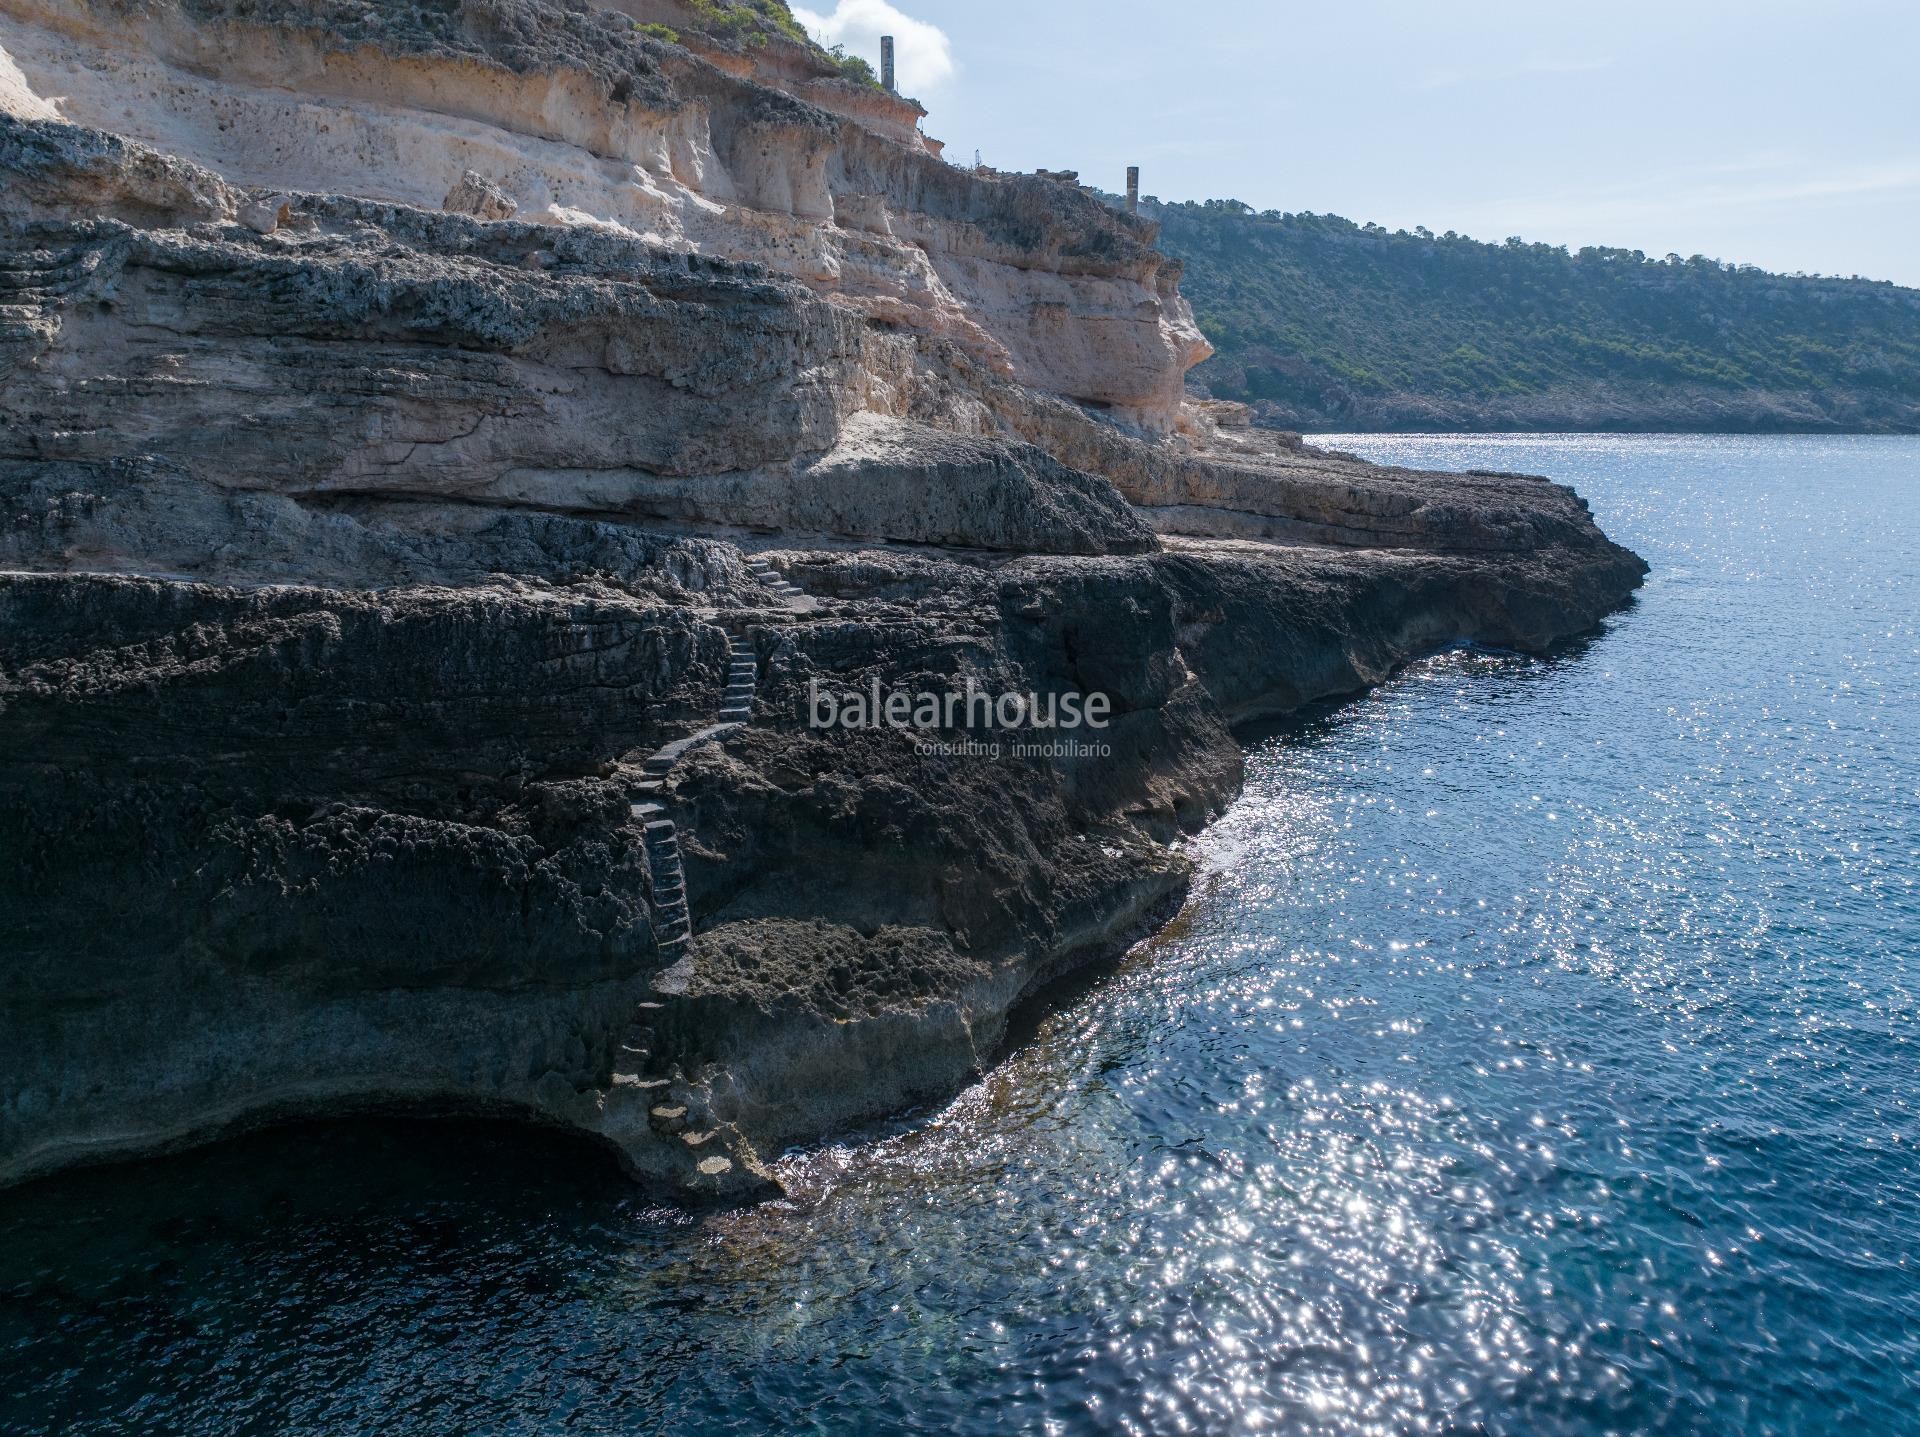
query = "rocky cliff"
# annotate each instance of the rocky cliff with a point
(448, 451)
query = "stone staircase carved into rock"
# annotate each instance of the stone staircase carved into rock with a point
(638, 1066)
(772, 578)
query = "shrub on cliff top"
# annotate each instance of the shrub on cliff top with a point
(852, 67)
(748, 21)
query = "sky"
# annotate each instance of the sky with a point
(1782, 135)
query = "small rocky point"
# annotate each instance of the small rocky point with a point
(442, 449)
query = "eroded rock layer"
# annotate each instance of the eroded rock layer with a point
(448, 451)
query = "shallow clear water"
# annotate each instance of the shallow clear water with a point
(1537, 1055)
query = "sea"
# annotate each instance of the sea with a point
(1536, 1055)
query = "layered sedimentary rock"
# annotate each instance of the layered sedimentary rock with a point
(399, 407)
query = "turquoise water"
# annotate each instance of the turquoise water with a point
(1536, 1056)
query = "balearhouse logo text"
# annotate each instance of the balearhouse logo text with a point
(1029, 724)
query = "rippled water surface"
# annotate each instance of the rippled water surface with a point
(1536, 1056)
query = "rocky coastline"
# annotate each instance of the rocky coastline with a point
(446, 452)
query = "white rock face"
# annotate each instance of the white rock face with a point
(480, 197)
(264, 216)
(1032, 277)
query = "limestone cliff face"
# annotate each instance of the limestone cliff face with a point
(401, 405)
(582, 120)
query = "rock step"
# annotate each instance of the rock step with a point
(699, 1140)
(737, 715)
(715, 1166)
(667, 757)
(648, 810)
(661, 827)
(647, 1086)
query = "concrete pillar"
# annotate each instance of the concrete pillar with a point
(1133, 189)
(886, 61)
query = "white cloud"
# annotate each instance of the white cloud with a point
(923, 56)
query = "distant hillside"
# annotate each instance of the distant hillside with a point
(1321, 323)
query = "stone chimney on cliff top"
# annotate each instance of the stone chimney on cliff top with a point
(1133, 189)
(886, 61)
